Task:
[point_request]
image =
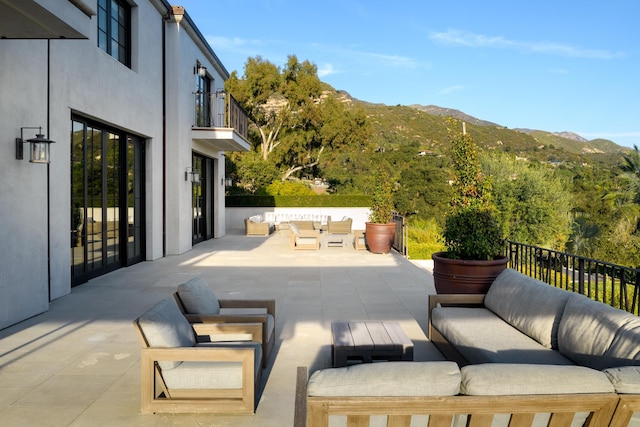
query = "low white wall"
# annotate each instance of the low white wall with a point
(235, 216)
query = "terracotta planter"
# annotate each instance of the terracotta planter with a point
(458, 276)
(380, 237)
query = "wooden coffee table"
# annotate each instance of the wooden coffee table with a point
(366, 342)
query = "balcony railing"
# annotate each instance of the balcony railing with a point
(612, 284)
(220, 110)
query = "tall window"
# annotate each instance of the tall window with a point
(114, 29)
(107, 196)
(203, 101)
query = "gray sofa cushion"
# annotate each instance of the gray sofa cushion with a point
(387, 379)
(532, 306)
(483, 337)
(599, 336)
(498, 379)
(198, 297)
(212, 374)
(164, 325)
(626, 379)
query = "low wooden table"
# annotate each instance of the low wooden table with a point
(365, 342)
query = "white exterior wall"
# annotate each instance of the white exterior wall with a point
(41, 84)
(182, 45)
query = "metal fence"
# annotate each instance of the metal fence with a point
(612, 284)
(401, 238)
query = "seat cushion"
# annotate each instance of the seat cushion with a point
(212, 374)
(499, 379)
(198, 297)
(533, 307)
(597, 335)
(626, 379)
(164, 325)
(483, 337)
(387, 379)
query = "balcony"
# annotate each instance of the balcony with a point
(220, 123)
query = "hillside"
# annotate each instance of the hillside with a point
(424, 129)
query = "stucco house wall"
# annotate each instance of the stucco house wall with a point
(42, 83)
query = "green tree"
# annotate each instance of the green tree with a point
(533, 202)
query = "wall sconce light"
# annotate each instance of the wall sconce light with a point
(39, 146)
(192, 175)
(200, 70)
(227, 182)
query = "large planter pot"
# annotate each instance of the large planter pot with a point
(380, 237)
(458, 276)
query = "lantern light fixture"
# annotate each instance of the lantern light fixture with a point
(192, 175)
(200, 70)
(39, 147)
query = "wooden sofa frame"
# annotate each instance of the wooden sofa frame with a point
(312, 411)
(157, 397)
(305, 233)
(237, 323)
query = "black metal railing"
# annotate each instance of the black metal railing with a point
(602, 281)
(221, 110)
(401, 237)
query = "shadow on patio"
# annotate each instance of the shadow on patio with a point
(78, 363)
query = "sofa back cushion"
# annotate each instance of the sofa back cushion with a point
(529, 305)
(163, 325)
(198, 298)
(597, 335)
(387, 379)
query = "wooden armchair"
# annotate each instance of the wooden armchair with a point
(339, 227)
(226, 319)
(179, 374)
(304, 239)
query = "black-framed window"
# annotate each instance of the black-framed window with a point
(107, 199)
(114, 29)
(203, 101)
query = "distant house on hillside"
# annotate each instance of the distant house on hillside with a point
(133, 97)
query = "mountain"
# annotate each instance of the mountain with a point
(450, 112)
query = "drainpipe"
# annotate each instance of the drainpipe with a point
(48, 177)
(164, 133)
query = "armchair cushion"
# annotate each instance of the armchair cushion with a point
(198, 297)
(214, 374)
(165, 326)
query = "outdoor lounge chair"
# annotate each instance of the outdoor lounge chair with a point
(179, 374)
(339, 227)
(304, 239)
(201, 307)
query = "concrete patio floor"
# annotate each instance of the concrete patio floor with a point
(79, 363)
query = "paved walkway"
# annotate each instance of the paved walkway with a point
(79, 363)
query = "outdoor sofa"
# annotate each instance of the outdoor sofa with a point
(256, 226)
(521, 352)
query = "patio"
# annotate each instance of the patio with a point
(78, 363)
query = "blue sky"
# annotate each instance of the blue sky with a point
(562, 65)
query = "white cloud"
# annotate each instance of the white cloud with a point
(326, 70)
(464, 38)
(450, 89)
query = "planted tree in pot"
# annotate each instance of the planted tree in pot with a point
(472, 233)
(380, 231)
